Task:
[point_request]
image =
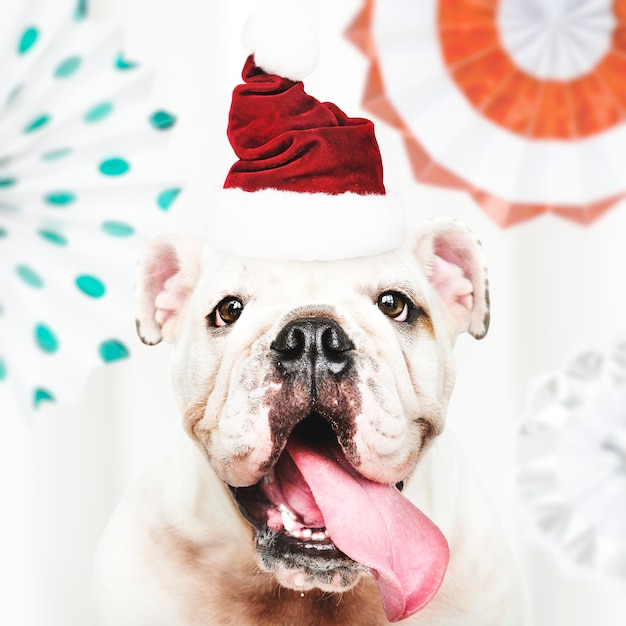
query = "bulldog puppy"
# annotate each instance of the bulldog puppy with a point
(312, 481)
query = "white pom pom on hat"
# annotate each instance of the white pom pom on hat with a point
(281, 40)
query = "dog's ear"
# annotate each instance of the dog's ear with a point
(167, 274)
(454, 263)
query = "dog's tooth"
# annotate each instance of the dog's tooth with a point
(319, 535)
(288, 518)
(269, 478)
(306, 533)
(283, 508)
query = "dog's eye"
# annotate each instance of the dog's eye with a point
(394, 305)
(226, 312)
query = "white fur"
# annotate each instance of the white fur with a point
(179, 553)
(281, 41)
(288, 226)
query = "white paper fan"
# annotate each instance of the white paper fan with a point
(571, 453)
(84, 178)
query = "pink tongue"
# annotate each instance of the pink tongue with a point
(378, 527)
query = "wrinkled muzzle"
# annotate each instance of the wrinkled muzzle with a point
(313, 512)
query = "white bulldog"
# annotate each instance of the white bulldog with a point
(313, 482)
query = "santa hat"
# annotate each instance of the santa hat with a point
(308, 183)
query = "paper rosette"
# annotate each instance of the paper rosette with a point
(84, 177)
(521, 103)
(571, 456)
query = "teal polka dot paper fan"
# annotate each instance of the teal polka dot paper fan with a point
(85, 178)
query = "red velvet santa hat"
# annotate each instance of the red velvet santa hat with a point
(308, 183)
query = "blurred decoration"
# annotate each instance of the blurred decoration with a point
(84, 177)
(521, 103)
(571, 457)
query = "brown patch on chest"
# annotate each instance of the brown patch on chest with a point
(219, 584)
(270, 605)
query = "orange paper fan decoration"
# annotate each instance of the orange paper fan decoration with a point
(521, 103)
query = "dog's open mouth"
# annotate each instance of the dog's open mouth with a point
(321, 514)
(282, 501)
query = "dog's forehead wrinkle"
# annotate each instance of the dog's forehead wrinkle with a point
(265, 276)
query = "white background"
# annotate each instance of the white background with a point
(554, 287)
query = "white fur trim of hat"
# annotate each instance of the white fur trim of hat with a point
(288, 226)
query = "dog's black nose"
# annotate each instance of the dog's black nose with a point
(313, 346)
